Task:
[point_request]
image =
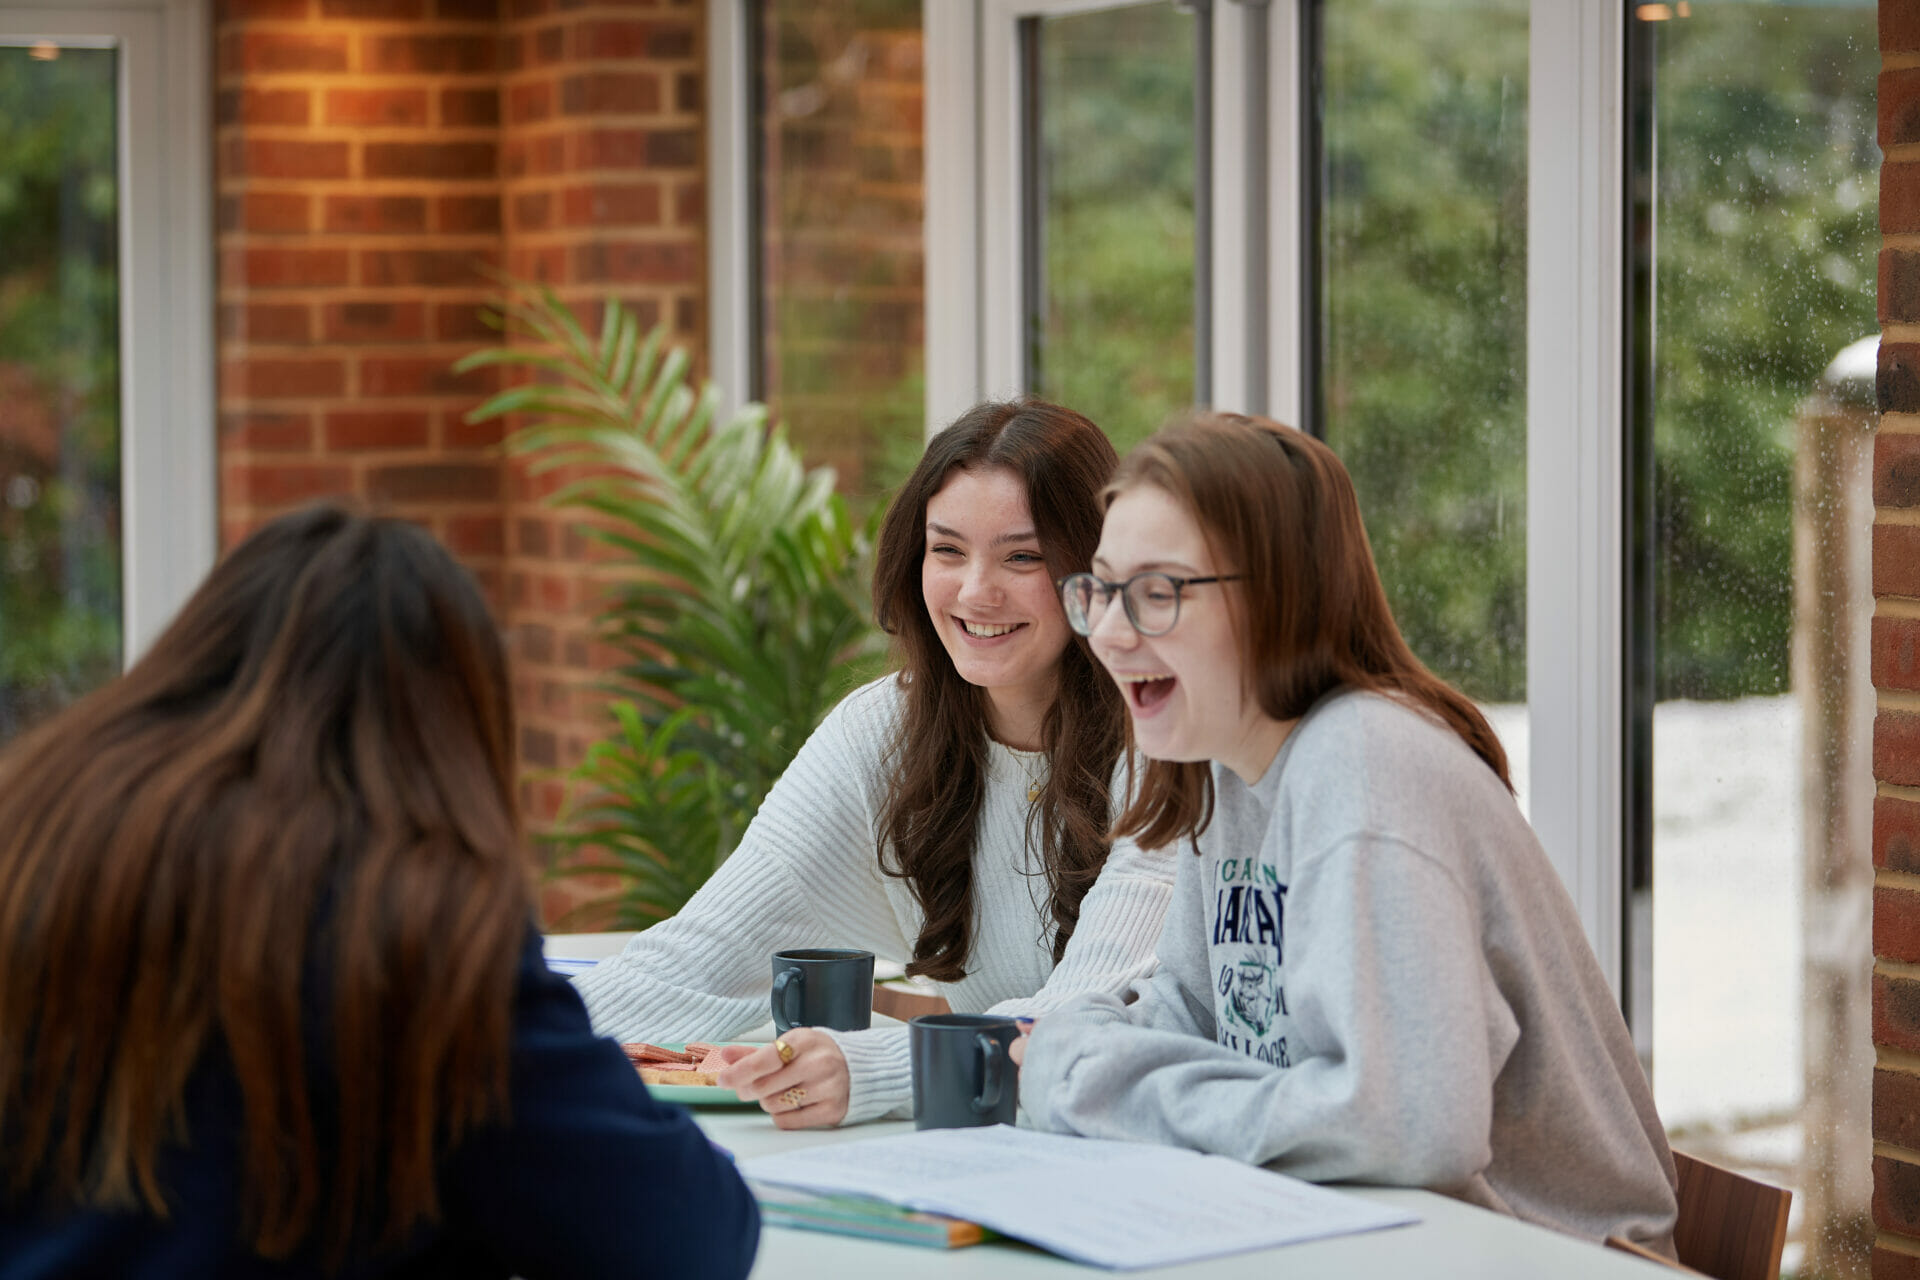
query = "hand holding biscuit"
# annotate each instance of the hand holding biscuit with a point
(804, 1088)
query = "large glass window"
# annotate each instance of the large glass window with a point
(60, 581)
(1421, 320)
(1111, 186)
(840, 289)
(1731, 398)
(1756, 233)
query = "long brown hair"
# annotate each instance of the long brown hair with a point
(301, 799)
(939, 780)
(1277, 506)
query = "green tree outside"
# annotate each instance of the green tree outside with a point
(1424, 325)
(1117, 127)
(59, 381)
(1766, 238)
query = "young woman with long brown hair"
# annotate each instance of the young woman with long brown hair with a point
(272, 1001)
(952, 816)
(1370, 972)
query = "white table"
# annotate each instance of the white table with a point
(1452, 1240)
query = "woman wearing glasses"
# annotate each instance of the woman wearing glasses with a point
(1370, 972)
(952, 816)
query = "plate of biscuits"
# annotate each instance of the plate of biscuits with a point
(683, 1073)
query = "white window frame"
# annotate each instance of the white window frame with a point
(958, 181)
(169, 511)
(730, 188)
(1574, 551)
(1575, 441)
(973, 203)
(1574, 339)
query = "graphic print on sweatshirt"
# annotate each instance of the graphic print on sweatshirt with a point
(1247, 946)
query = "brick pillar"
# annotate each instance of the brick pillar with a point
(357, 148)
(374, 159)
(603, 186)
(1896, 661)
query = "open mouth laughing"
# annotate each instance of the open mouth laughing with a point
(1145, 690)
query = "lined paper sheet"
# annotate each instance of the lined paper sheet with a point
(1120, 1205)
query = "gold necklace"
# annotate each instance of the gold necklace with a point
(1036, 779)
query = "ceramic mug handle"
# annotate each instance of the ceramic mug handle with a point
(788, 988)
(993, 1064)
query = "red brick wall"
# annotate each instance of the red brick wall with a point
(1896, 660)
(358, 207)
(602, 180)
(374, 160)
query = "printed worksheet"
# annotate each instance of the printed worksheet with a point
(1120, 1205)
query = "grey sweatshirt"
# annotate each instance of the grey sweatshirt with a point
(1390, 986)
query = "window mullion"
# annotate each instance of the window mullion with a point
(1574, 454)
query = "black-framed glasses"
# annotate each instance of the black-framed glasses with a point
(1152, 600)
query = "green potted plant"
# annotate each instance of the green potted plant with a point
(740, 608)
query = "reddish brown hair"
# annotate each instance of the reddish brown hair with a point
(1276, 505)
(300, 800)
(939, 781)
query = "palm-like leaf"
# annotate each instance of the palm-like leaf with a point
(651, 810)
(741, 612)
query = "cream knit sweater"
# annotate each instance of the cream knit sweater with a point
(806, 875)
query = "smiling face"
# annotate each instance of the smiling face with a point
(991, 598)
(1185, 689)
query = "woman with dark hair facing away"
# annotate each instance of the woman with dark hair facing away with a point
(273, 1001)
(952, 815)
(1370, 971)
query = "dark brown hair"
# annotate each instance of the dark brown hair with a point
(299, 802)
(939, 780)
(1276, 505)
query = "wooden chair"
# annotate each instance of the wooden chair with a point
(1731, 1227)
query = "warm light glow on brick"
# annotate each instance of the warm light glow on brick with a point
(377, 161)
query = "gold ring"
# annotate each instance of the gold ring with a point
(785, 1051)
(794, 1096)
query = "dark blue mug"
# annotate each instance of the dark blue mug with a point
(962, 1075)
(822, 987)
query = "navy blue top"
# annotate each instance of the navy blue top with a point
(589, 1176)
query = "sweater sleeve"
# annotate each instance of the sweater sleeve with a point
(1112, 944)
(1389, 986)
(589, 1176)
(805, 874)
(1111, 949)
